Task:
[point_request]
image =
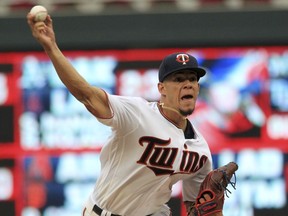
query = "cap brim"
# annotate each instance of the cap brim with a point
(199, 71)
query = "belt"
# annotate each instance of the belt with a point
(98, 211)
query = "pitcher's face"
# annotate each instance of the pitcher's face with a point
(180, 91)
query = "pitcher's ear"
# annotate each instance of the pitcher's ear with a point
(161, 88)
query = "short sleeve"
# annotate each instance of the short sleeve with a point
(126, 112)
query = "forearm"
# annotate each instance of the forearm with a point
(75, 83)
(189, 207)
(92, 97)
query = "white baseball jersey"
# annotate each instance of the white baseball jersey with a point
(145, 155)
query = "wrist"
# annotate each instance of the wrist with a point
(189, 205)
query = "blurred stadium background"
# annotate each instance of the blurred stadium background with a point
(49, 144)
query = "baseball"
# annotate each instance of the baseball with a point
(39, 12)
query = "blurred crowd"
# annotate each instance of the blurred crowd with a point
(10, 7)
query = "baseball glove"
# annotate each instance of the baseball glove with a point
(215, 185)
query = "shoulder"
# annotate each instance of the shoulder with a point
(121, 105)
(128, 102)
(126, 99)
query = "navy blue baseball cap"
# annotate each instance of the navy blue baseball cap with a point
(179, 61)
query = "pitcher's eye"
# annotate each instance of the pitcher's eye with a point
(192, 79)
(179, 79)
(183, 79)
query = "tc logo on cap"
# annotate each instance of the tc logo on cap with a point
(182, 58)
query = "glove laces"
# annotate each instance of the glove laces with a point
(228, 181)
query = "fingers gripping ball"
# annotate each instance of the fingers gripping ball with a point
(215, 185)
(39, 12)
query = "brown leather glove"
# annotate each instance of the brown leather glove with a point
(210, 198)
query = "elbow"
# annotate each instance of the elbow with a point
(86, 96)
(82, 95)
